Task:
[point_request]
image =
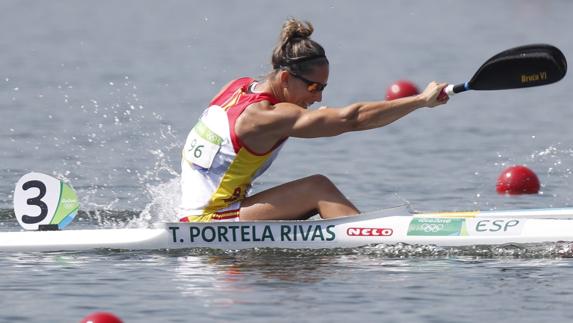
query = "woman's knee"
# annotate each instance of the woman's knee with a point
(321, 182)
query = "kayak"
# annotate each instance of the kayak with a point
(388, 226)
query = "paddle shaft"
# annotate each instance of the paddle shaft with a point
(452, 89)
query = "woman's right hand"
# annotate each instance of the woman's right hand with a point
(431, 95)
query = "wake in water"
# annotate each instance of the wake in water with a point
(540, 250)
(397, 251)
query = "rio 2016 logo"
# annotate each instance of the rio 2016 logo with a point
(432, 227)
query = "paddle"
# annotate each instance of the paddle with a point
(519, 67)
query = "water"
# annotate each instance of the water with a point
(104, 94)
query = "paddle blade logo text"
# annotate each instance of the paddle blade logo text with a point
(369, 232)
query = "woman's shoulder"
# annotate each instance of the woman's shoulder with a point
(232, 87)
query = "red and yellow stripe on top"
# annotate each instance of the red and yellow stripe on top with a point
(235, 166)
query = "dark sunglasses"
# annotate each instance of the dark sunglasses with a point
(311, 86)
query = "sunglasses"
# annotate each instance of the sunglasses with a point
(311, 86)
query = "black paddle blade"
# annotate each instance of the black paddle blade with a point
(520, 67)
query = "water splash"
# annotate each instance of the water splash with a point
(555, 161)
(162, 208)
(117, 154)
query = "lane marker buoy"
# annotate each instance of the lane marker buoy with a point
(101, 317)
(517, 179)
(401, 89)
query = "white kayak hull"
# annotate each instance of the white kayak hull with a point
(389, 226)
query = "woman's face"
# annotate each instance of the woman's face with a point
(306, 89)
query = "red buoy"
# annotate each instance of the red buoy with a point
(101, 317)
(517, 180)
(401, 89)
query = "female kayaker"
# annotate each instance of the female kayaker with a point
(241, 132)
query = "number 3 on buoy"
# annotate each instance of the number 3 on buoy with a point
(43, 202)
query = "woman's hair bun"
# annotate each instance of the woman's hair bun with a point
(293, 28)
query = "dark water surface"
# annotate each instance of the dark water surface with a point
(103, 94)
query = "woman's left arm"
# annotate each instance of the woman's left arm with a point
(363, 115)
